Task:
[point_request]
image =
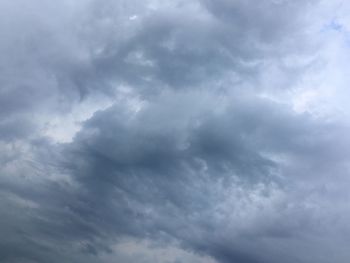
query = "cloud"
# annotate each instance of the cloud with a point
(173, 131)
(186, 179)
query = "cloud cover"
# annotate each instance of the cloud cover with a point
(174, 131)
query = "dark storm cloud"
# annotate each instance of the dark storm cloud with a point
(170, 181)
(143, 176)
(195, 154)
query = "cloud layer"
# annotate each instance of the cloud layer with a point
(174, 131)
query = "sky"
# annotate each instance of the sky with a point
(173, 131)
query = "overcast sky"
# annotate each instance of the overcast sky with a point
(174, 131)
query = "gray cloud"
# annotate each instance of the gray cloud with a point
(185, 177)
(198, 153)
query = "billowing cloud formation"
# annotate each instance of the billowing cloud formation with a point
(174, 131)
